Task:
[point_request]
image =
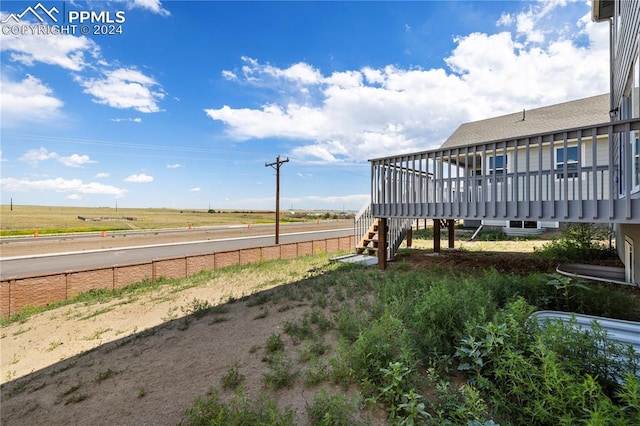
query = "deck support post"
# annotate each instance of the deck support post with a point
(436, 235)
(451, 230)
(382, 243)
(409, 237)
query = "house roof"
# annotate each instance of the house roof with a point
(567, 115)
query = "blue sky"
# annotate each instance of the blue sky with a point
(185, 103)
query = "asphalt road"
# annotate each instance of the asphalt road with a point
(60, 262)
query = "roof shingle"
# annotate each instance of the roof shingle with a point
(566, 115)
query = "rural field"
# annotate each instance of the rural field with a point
(151, 226)
(309, 341)
(25, 220)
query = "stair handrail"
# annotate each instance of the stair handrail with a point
(397, 228)
(363, 221)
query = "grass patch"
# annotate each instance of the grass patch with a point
(240, 410)
(96, 313)
(334, 409)
(232, 379)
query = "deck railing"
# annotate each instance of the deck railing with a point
(517, 179)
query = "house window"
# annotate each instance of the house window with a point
(497, 163)
(568, 155)
(527, 224)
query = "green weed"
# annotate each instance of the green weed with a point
(241, 410)
(233, 378)
(336, 409)
(281, 373)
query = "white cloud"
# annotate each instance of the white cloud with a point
(154, 6)
(75, 160)
(141, 178)
(59, 185)
(64, 50)
(27, 101)
(125, 88)
(354, 115)
(35, 156)
(132, 120)
(74, 197)
(174, 166)
(196, 189)
(102, 175)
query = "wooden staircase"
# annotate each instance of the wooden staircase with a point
(366, 228)
(369, 242)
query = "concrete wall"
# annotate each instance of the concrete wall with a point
(16, 293)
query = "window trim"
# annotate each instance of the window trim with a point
(498, 170)
(572, 165)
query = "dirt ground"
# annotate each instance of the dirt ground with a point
(143, 361)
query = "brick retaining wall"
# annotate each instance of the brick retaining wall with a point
(18, 292)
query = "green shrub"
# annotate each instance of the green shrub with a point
(552, 373)
(233, 378)
(579, 241)
(239, 411)
(274, 344)
(493, 236)
(385, 341)
(281, 372)
(439, 310)
(335, 409)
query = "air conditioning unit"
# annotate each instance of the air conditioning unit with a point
(602, 10)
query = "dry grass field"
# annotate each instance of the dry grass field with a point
(24, 220)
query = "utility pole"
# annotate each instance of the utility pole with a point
(276, 165)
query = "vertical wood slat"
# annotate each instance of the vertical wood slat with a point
(611, 187)
(552, 178)
(540, 180)
(449, 187)
(458, 185)
(467, 183)
(565, 171)
(594, 171)
(494, 187)
(516, 179)
(474, 182)
(527, 178)
(505, 178)
(580, 197)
